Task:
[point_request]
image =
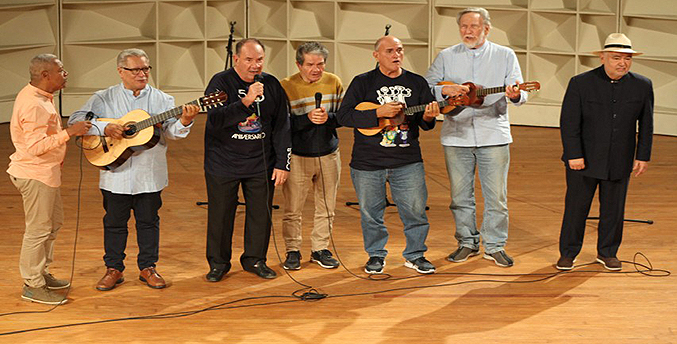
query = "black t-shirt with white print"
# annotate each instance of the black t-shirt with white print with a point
(393, 147)
(234, 132)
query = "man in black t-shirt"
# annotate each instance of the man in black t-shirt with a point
(248, 143)
(386, 149)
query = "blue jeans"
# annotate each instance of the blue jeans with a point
(492, 164)
(407, 186)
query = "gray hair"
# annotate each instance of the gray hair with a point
(484, 14)
(123, 55)
(40, 63)
(315, 48)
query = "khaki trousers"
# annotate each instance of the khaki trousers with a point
(323, 174)
(44, 217)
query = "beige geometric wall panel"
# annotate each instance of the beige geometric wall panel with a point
(359, 22)
(311, 20)
(186, 40)
(181, 66)
(181, 20)
(115, 22)
(268, 18)
(40, 20)
(219, 16)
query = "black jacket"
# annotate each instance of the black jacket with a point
(599, 123)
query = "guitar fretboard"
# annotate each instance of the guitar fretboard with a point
(491, 90)
(420, 108)
(153, 120)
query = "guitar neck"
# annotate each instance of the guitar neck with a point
(420, 108)
(159, 118)
(491, 90)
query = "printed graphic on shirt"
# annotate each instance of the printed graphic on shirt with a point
(389, 94)
(250, 125)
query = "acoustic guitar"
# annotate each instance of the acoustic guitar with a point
(477, 93)
(140, 133)
(399, 118)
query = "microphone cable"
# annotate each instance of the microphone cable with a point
(307, 293)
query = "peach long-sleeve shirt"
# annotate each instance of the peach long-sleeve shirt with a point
(38, 137)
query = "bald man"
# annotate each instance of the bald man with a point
(391, 155)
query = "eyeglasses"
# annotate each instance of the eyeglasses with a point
(136, 71)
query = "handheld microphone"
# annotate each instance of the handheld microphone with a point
(258, 78)
(88, 117)
(318, 100)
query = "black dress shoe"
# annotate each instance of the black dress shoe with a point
(215, 275)
(262, 270)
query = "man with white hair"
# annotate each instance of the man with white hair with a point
(139, 181)
(478, 137)
(601, 112)
(35, 170)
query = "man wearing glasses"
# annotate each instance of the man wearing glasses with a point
(137, 183)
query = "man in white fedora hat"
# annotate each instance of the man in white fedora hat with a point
(600, 113)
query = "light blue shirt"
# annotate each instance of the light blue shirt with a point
(146, 170)
(490, 65)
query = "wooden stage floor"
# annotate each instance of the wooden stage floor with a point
(475, 301)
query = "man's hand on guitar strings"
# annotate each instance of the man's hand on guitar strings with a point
(389, 110)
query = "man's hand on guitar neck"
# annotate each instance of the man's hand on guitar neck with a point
(432, 110)
(189, 112)
(389, 110)
(513, 92)
(455, 90)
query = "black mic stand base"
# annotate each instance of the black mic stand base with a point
(275, 206)
(649, 222)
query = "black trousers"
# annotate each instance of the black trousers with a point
(118, 208)
(580, 192)
(222, 196)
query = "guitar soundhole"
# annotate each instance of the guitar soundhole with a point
(131, 130)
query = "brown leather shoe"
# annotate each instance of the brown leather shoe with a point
(152, 278)
(110, 280)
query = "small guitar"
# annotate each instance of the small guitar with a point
(399, 118)
(477, 93)
(140, 133)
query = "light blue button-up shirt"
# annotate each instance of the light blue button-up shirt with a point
(490, 65)
(146, 170)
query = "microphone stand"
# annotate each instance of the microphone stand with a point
(229, 47)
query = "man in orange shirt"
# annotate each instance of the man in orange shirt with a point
(35, 170)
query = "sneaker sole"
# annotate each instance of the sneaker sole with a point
(464, 259)
(290, 268)
(606, 267)
(322, 265)
(26, 298)
(412, 266)
(375, 272)
(486, 256)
